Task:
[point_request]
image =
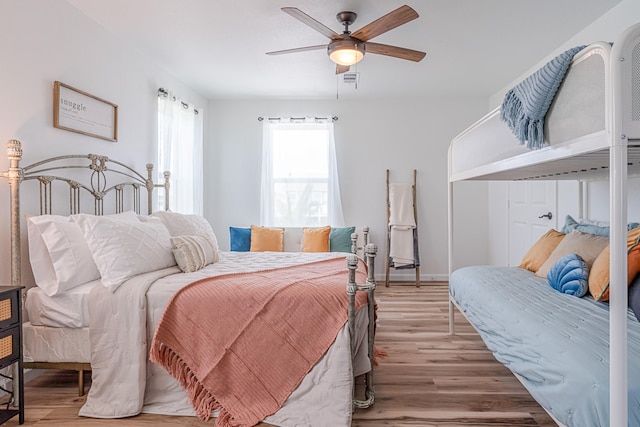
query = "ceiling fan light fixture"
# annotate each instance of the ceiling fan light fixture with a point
(346, 52)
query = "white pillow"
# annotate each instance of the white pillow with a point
(187, 225)
(193, 252)
(58, 253)
(40, 260)
(123, 249)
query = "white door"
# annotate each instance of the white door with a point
(532, 212)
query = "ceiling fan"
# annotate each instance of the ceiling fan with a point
(349, 48)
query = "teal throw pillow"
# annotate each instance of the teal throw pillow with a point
(340, 239)
(239, 239)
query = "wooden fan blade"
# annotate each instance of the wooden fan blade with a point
(395, 51)
(342, 68)
(298, 49)
(306, 19)
(391, 20)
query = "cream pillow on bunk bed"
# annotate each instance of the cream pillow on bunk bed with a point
(588, 246)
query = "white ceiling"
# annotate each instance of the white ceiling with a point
(474, 47)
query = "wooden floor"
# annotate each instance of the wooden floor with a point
(428, 379)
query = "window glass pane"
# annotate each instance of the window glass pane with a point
(300, 183)
(300, 203)
(300, 154)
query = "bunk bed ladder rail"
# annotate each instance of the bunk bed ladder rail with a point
(370, 251)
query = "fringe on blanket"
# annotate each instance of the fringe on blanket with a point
(378, 354)
(525, 105)
(203, 402)
(201, 399)
(524, 128)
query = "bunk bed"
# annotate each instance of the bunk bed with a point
(592, 131)
(115, 332)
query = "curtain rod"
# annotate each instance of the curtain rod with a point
(292, 119)
(163, 93)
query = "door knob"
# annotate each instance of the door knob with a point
(548, 215)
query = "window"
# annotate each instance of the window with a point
(180, 152)
(299, 174)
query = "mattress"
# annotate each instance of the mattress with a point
(556, 343)
(67, 310)
(322, 398)
(55, 345)
(70, 309)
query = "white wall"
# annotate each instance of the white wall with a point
(42, 41)
(598, 200)
(606, 28)
(371, 136)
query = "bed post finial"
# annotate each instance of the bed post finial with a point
(352, 264)
(14, 150)
(14, 153)
(150, 187)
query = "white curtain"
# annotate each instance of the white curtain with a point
(300, 185)
(180, 152)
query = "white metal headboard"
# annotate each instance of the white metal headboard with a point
(89, 174)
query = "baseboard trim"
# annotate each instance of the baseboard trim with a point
(410, 276)
(31, 374)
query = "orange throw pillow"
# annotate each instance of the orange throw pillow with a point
(266, 239)
(599, 274)
(540, 251)
(316, 239)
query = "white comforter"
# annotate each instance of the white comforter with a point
(125, 382)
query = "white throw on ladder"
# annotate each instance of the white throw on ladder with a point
(401, 224)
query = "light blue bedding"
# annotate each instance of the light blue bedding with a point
(557, 343)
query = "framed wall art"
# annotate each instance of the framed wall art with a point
(78, 111)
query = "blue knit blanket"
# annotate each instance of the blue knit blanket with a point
(525, 106)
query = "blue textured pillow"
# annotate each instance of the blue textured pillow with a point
(239, 239)
(570, 275)
(634, 296)
(340, 239)
(571, 224)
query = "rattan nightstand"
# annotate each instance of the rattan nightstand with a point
(11, 349)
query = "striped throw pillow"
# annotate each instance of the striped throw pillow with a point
(193, 252)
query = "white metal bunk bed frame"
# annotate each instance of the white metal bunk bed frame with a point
(584, 159)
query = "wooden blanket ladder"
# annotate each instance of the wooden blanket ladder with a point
(415, 215)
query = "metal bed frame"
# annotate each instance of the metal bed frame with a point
(128, 180)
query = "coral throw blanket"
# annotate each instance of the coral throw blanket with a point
(243, 342)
